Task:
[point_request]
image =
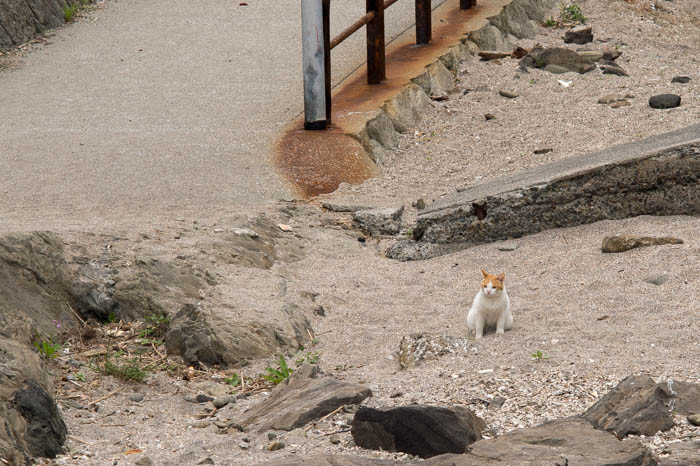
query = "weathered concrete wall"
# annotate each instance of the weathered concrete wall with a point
(22, 20)
(656, 176)
(401, 113)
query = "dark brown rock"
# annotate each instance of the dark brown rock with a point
(493, 55)
(684, 453)
(579, 35)
(663, 101)
(45, 432)
(424, 431)
(637, 405)
(680, 79)
(613, 69)
(622, 243)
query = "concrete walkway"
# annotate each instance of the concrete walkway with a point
(153, 108)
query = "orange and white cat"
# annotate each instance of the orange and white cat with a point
(491, 306)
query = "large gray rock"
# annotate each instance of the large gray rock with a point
(424, 431)
(640, 406)
(571, 441)
(301, 399)
(665, 101)
(231, 335)
(45, 431)
(22, 20)
(378, 221)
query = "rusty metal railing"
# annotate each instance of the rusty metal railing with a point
(317, 50)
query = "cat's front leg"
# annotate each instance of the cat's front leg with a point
(501, 323)
(479, 327)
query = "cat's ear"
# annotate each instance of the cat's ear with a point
(484, 273)
(501, 277)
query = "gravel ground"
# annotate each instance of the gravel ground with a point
(594, 317)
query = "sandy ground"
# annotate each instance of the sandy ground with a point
(593, 316)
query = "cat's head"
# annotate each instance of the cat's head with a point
(492, 285)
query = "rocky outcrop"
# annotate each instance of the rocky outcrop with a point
(417, 348)
(654, 176)
(303, 398)
(22, 20)
(378, 221)
(424, 431)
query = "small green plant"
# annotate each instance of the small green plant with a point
(280, 374)
(80, 376)
(234, 380)
(312, 357)
(47, 349)
(112, 317)
(539, 355)
(69, 11)
(551, 22)
(571, 12)
(130, 369)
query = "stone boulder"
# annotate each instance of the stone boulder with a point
(424, 431)
(559, 56)
(572, 441)
(228, 334)
(579, 35)
(378, 221)
(302, 398)
(640, 406)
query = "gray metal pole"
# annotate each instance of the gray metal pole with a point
(314, 64)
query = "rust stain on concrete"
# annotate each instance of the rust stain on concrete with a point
(316, 162)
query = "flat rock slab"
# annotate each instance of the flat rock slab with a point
(579, 35)
(559, 56)
(330, 460)
(302, 400)
(654, 176)
(424, 431)
(640, 406)
(622, 243)
(572, 441)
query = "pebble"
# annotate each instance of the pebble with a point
(622, 103)
(665, 101)
(223, 401)
(489, 116)
(203, 398)
(335, 439)
(274, 446)
(616, 70)
(542, 151)
(611, 98)
(657, 279)
(284, 227)
(694, 419)
(136, 397)
(681, 79)
(243, 446)
(207, 460)
(497, 402)
(271, 435)
(508, 94)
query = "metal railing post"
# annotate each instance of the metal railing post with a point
(314, 59)
(376, 62)
(424, 27)
(327, 55)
